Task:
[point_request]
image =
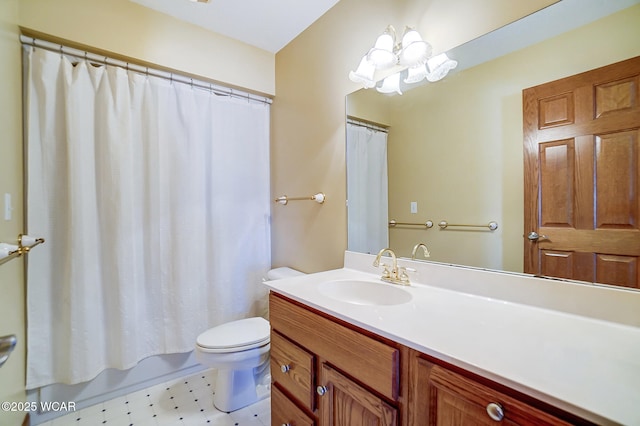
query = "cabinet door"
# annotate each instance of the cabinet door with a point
(343, 402)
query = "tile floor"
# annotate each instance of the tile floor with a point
(187, 401)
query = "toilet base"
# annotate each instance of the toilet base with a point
(236, 389)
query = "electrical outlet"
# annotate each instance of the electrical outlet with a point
(414, 207)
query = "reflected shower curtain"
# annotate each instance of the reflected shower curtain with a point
(153, 198)
(367, 195)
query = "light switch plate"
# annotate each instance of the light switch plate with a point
(7, 206)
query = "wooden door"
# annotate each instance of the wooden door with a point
(345, 403)
(582, 176)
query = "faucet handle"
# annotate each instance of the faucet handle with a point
(404, 277)
(385, 272)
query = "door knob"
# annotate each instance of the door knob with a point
(321, 390)
(534, 236)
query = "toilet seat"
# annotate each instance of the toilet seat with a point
(235, 336)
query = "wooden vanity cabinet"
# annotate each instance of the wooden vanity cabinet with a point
(328, 372)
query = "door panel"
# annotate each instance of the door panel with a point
(617, 180)
(618, 270)
(567, 264)
(582, 175)
(556, 179)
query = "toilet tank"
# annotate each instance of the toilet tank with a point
(277, 274)
(282, 272)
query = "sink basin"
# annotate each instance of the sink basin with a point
(365, 292)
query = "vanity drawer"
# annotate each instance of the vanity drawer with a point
(285, 412)
(371, 362)
(291, 368)
(452, 396)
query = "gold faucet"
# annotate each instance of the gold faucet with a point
(391, 276)
(415, 249)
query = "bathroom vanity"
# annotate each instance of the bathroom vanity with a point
(348, 349)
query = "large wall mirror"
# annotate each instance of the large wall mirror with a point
(454, 148)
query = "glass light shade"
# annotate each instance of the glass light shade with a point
(390, 84)
(416, 74)
(364, 74)
(381, 54)
(415, 51)
(439, 66)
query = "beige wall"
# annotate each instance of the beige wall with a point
(129, 29)
(12, 298)
(455, 147)
(308, 126)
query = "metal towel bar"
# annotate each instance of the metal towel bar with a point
(491, 225)
(318, 198)
(427, 224)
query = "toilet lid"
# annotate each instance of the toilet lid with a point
(245, 333)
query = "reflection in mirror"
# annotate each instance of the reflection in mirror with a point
(455, 147)
(367, 177)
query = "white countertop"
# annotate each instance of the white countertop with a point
(586, 365)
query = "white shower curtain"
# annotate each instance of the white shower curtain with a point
(153, 198)
(367, 193)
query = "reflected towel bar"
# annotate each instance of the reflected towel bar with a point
(427, 224)
(491, 225)
(318, 198)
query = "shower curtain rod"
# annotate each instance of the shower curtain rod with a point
(102, 59)
(367, 124)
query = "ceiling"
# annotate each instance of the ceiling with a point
(268, 25)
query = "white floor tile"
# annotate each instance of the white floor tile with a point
(156, 406)
(225, 420)
(148, 422)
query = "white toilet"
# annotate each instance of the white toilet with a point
(240, 352)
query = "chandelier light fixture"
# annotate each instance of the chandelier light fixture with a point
(412, 53)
